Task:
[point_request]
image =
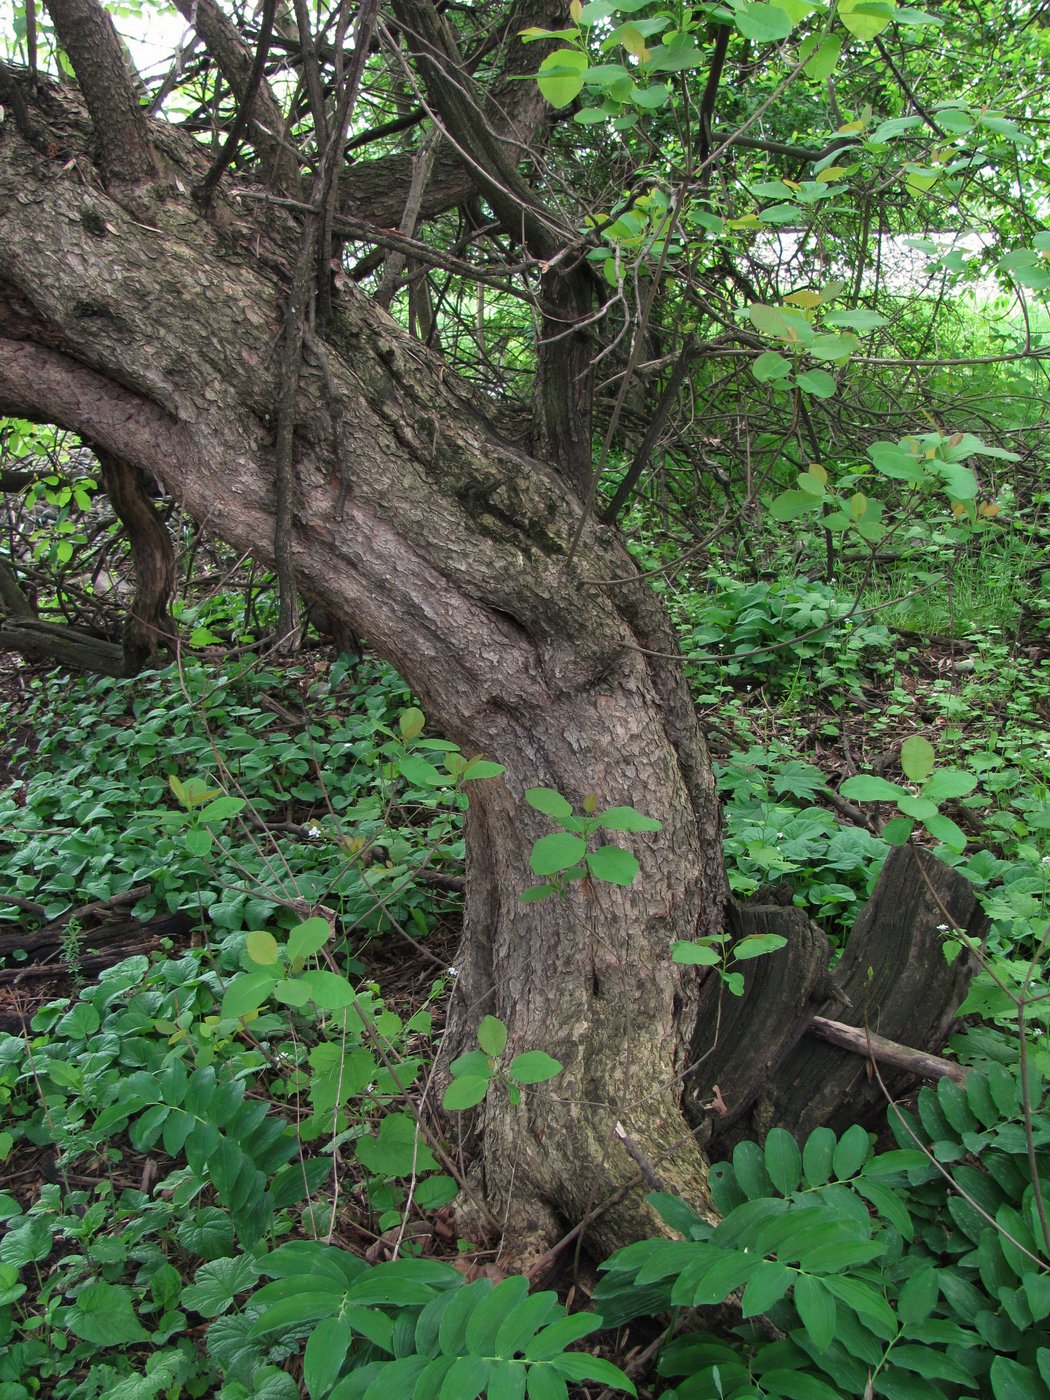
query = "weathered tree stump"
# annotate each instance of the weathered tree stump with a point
(892, 979)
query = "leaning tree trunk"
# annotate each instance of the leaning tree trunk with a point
(150, 330)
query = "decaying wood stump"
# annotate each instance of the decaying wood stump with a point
(892, 979)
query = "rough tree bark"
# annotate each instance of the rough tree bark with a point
(130, 317)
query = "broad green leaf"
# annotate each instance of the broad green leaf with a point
(411, 723)
(866, 19)
(897, 831)
(492, 1035)
(946, 783)
(103, 1313)
(768, 320)
(756, 944)
(790, 504)
(557, 1336)
(579, 1366)
(262, 948)
(419, 772)
(818, 1156)
(695, 954)
(866, 1301)
(1011, 1381)
(533, 1067)
(821, 54)
(783, 1160)
(307, 938)
(832, 347)
(798, 1385)
(549, 802)
(247, 992)
(765, 24)
(326, 1350)
(770, 366)
(917, 758)
(612, 864)
(222, 809)
(851, 1152)
(817, 1308)
(943, 829)
(918, 1295)
(559, 851)
(627, 819)
(330, 991)
(858, 320)
(487, 1316)
(216, 1285)
(917, 807)
(465, 1092)
(561, 76)
(818, 383)
(866, 787)
(766, 1286)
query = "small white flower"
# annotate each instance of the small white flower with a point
(313, 832)
(452, 971)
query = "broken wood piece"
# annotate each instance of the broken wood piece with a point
(887, 1052)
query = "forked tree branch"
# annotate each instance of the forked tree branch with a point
(87, 34)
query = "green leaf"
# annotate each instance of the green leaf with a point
(947, 783)
(917, 758)
(897, 831)
(549, 802)
(817, 1309)
(326, 1350)
(420, 773)
(818, 1156)
(783, 1160)
(770, 366)
(559, 851)
(918, 1296)
(216, 1285)
(557, 1336)
(765, 24)
(818, 383)
(578, 1366)
(411, 723)
(790, 504)
(866, 787)
(851, 1152)
(533, 1067)
(222, 809)
(821, 53)
(798, 1385)
(307, 938)
(247, 992)
(262, 948)
(766, 1286)
(1012, 1381)
(561, 76)
(486, 1317)
(865, 19)
(756, 944)
(465, 1092)
(627, 819)
(943, 829)
(613, 865)
(695, 954)
(492, 1036)
(918, 807)
(104, 1314)
(858, 320)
